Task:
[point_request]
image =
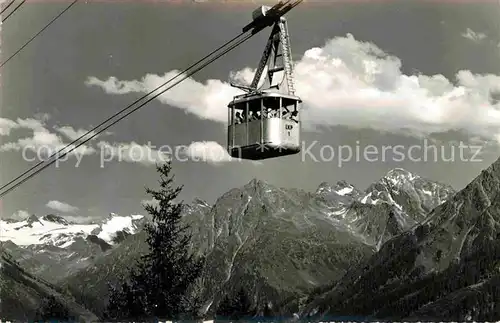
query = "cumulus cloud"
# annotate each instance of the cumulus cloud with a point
(6, 126)
(352, 83)
(20, 215)
(43, 141)
(208, 151)
(207, 100)
(61, 207)
(474, 36)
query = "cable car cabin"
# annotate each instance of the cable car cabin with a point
(264, 125)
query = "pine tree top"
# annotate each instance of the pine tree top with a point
(160, 286)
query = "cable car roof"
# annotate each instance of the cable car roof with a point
(253, 96)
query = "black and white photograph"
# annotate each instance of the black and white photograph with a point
(250, 161)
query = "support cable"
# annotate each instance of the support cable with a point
(38, 33)
(124, 116)
(12, 12)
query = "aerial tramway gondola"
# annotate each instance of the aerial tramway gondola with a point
(265, 122)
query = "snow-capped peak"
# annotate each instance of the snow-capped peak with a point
(324, 188)
(389, 184)
(399, 175)
(342, 188)
(115, 224)
(32, 219)
(55, 230)
(399, 186)
(198, 201)
(55, 219)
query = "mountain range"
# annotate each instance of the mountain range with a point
(394, 250)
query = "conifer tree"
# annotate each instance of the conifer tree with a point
(51, 309)
(235, 306)
(158, 288)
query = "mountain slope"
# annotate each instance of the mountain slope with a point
(379, 222)
(90, 284)
(446, 267)
(274, 243)
(22, 294)
(51, 247)
(56, 231)
(277, 244)
(390, 206)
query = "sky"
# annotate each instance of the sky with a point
(381, 73)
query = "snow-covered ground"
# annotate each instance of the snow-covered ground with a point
(56, 231)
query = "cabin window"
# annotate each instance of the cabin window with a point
(254, 109)
(263, 107)
(238, 113)
(250, 110)
(270, 107)
(289, 109)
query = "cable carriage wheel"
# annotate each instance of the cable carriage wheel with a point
(265, 122)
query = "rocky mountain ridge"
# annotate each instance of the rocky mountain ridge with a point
(52, 247)
(251, 236)
(255, 233)
(445, 268)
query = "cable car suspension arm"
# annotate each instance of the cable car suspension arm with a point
(265, 57)
(279, 36)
